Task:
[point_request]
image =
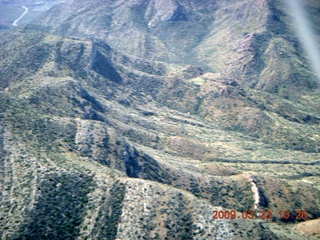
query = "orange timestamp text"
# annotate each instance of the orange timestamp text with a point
(261, 214)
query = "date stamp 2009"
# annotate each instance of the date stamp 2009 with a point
(262, 214)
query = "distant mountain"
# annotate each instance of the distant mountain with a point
(140, 118)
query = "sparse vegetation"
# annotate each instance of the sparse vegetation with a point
(139, 121)
(59, 209)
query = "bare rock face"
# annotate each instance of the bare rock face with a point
(143, 118)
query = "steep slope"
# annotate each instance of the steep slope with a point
(235, 38)
(249, 55)
(105, 137)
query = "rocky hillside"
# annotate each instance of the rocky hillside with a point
(137, 119)
(243, 55)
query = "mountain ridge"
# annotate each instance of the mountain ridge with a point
(133, 142)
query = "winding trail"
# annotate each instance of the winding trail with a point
(15, 23)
